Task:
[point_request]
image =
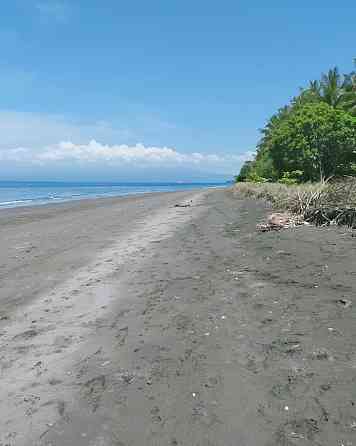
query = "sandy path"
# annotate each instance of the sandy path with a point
(189, 329)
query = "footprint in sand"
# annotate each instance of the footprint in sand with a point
(122, 335)
(93, 390)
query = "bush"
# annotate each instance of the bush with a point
(291, 178)
(255, 178)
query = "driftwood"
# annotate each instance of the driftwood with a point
(331, 216)
(182, 205)
(278, 221)
(321, 216)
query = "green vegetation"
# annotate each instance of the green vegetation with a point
(312, 138)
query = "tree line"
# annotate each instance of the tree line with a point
(312, 138)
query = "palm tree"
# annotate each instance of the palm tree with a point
(335, 89)
(331, 88)
(349, 87)
(314, 87)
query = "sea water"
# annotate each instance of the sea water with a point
(15, 194)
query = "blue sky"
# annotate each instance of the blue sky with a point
(155, 90)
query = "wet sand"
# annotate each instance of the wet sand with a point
(134, 322)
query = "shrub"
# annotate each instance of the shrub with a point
(291, 178)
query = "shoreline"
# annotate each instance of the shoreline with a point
(23, 202)
(81, 202)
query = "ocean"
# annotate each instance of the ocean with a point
(19, 193)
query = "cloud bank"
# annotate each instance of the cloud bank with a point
(29, 149)
(137, 155)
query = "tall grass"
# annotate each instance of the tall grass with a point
(305, 198)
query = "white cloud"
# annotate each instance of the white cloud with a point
(123, 155)
(29, 141)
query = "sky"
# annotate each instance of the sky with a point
(155, 90)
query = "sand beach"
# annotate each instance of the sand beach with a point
(166, 319)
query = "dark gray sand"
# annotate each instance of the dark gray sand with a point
(132, 322)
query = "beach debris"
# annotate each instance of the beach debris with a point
(283, 253)
(296, 435)
(54, 381)
(278, 221)
(344, 302)
(182, 205)
(321, 354)
(127, 377)
(334, 331)
(332, 215)
(325, 387)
